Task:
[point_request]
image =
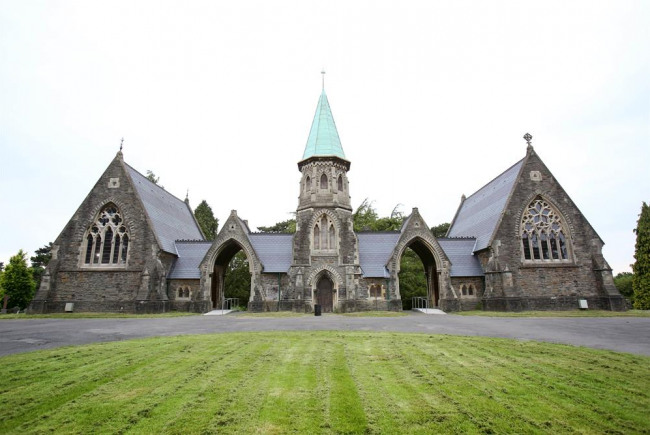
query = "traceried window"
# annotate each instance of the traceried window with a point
(323, 181)
(107, 239)
(339, 183)
(324, 235)
(543, 234)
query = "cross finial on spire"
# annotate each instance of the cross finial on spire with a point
(323, 73)
(187, 196)
(121, 143)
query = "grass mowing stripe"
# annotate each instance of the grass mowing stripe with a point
(55, 392)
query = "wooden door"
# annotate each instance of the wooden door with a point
(325, 294)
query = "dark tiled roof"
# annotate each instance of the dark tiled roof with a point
(459, 252)
(190, 255)
(273, 250)
(171, 218)
(479, 214)
(375, 250)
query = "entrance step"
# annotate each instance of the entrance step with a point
(218, 312)
(429, 310)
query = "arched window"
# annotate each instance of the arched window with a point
(543, 233)
(470, 289)
(107, 239)
(324, 234)
(323, 181)
(339, 183)
(463, 289)
(183, 292)
(307, 184)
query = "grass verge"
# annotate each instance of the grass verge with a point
(324, 382)
(571, 313)
(94, 315)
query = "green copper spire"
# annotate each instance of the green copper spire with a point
(323, 138)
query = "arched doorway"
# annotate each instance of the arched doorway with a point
(325, 294)
(231, 271)
(418, 270)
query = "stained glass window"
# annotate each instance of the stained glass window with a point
(107, 241)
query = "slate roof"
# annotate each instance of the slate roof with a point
(323, 137)
(274, 251)
(171, 217)
(190, 255)
(459, 252)
(479, 214)
(375, 249)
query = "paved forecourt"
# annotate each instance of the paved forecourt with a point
(624, 334)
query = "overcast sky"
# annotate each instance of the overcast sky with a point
(431, 100)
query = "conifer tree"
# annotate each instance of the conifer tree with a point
(641, 267)
(208, 223)
(17, 281)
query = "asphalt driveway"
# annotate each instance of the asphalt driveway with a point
(624, 334)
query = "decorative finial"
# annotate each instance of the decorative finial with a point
(323, 73)
(528, 138)
(121, 144)
(187, 196)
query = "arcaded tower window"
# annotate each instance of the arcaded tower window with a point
(324, 235)
(543, 233)
(339, 183)
(107, 239)
(323, 181)
(307, 184)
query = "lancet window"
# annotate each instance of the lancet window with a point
(307, 184)
(543, 233)
(183, 292)
(323, 181)
(324, 235)
(339, 183)
(107, 239)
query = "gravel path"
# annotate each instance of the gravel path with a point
(624, 334)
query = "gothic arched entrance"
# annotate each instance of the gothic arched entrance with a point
(325, 294)
(430, 283)
(224, 265)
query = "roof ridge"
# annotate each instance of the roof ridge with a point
(192, 241)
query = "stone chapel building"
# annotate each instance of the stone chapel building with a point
(517, 243)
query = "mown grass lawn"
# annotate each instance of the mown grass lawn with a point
(565, 313)
(94, 315)
(324, 382)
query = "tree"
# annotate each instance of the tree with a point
(364, 217)
(440, 230)
(41, 258)
(623, 282)
(208, 223)
(17, 281)
(152, 177)
(237, 279)
(641, 267)
(287, 227)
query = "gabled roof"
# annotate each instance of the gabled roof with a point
(480, 213)
(190, 255)
(459, 252)
(323, 137)
(274, 251)
(170, 217)
(375, 249)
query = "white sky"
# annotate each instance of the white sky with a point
(431, 100)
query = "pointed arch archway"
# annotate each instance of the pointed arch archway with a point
(433, 259)
(325, 283)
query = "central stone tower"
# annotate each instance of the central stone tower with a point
(325, 269)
